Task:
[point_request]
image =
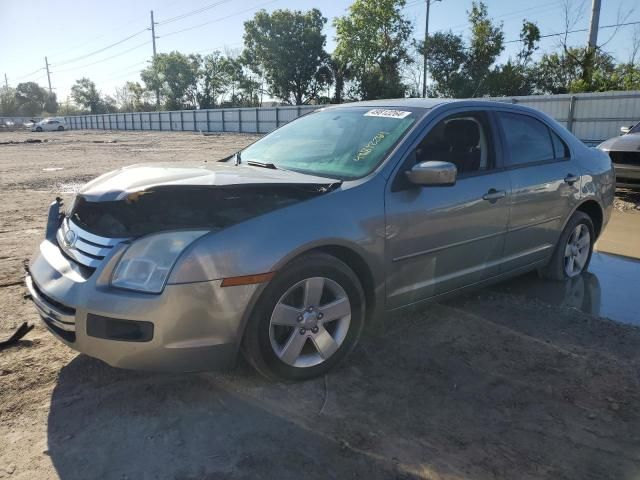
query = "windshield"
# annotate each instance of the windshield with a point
(345, 143)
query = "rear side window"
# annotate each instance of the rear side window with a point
(560, 148)
(527, 140)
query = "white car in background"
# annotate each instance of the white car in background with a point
(49, 125)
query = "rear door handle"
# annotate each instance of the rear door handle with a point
(494, 195)
(571, 179)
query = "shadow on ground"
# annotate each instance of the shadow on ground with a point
(487, 386)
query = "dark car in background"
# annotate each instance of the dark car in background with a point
(625, 155)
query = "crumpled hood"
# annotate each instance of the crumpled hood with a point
(624, 143)
(118, 184)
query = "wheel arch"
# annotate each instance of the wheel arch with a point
(592, 208)
(359, 266)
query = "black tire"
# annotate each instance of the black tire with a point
(38, 129)
(60, 128)
(555, 269)
(257, 346)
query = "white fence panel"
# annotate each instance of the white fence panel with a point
(592, 117)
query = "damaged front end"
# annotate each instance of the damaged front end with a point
(177, 207)
(91, 229)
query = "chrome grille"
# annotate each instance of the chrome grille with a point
(85, 248)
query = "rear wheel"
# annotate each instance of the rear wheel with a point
(307, 320)
(60, 128)
(573, 251)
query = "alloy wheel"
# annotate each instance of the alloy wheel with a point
(310, 322)
(576, 252)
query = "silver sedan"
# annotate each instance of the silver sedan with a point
(288, 249)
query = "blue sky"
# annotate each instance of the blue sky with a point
(69, 32)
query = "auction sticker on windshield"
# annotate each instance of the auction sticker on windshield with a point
(386, 113)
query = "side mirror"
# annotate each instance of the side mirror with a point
(625, 130)
(433, 173)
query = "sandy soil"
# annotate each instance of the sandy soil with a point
(490, 385)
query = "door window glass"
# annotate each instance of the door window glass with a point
(527, 139)
(462, 139)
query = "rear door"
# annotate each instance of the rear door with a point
(440, 238)
(545, 184)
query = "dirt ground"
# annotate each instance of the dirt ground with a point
(490, 385)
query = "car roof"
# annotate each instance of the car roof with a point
(429, 103)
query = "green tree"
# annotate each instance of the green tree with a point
(31, 99)
(50, 103)
(8, 105)
(85, 94)
(215, 76)
(461, 70)
(516, 77)
(175, 75)
(372, 43)
(563, 73)
(287, 48)
(447, 55)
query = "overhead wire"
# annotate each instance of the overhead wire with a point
(192, 12)
(103, 59)
(216, 19)
(581, 30)
(100, 50)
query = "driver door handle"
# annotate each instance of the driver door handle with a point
(571, 178)
(494, 195)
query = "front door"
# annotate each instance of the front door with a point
(439, 239)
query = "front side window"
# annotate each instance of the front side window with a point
(345, 142)
(462, 139)
(527, 140)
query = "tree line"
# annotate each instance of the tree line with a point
(284, 58)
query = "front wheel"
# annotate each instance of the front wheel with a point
(307, 320)
(38, 129)
(573, 251)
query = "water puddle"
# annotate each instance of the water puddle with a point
(609, 289)
(52, 169)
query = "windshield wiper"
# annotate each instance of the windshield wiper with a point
(255, 163)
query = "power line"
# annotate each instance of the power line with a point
(217, 19)
(104, 59)
(192, 12)
(582, 30)
(29, 74)
(99, 37)
(100, 50)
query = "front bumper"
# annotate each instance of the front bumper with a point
(627, 175)
(196, 326)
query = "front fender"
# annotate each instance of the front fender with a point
(351, 216)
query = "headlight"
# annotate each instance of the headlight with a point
(146, 264)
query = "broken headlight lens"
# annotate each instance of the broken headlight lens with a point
(146, 264)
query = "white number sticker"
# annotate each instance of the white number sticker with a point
(386, 113)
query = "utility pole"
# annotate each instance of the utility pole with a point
(153, 38)
(46, 62)
(590, 57)
(6, 82)
(593, 27)
(424, 59)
